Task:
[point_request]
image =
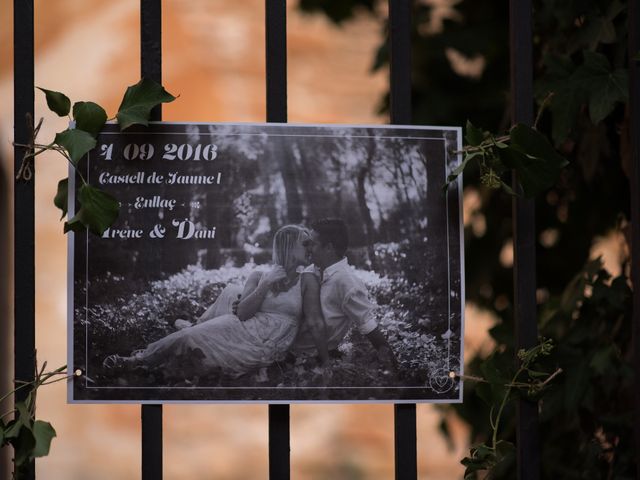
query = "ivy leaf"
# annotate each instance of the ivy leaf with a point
(89, 117)
(533, 158)
(568, 99)
(482, 458)
(43, 433)
(534, 144)
(474, 136)
(460, 168)
(23, 446)
(381, 57)
(62, 195)
(24, 417)
(532, 175)
(505, 457)
(98, 210)
(138, 101)
(12, 429)
(57, 102)
(76, 142)
(605, 87)
(507, 188)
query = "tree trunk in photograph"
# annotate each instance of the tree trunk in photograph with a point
(289, 178)
(307, 185)
(269, 199)
(365, 213)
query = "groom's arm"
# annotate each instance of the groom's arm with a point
(360, 310)
(380, 343)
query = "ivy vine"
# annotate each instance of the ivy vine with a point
(29, 437)
(98, 209)
(523, 149)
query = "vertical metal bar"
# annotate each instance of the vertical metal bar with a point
(151, 67)
(279, 443)
(276, 60)
(276, 91)
(24, 234)
(634, 129)
(406, 455)
(151, 45)
(400, 75)
(524, 268)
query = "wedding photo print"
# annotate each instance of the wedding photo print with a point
(270, 263)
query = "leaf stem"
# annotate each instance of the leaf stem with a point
(543, 107)
(494, 437)
(483, 146)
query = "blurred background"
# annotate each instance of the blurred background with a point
(213, 56)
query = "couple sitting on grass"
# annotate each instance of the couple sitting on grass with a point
(292, 307)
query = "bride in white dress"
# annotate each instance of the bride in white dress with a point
(266, 324)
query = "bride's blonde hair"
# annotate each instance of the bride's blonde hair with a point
(284, 242)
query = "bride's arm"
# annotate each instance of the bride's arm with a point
(313, 314)
(256, 288)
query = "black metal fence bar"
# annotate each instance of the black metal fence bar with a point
(276, 91)
(524, 267)
(24, 235)
(634, 129)
(406, 455)
(151, 67)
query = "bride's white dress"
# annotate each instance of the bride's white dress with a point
(234, 346)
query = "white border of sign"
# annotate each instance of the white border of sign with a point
(70, 280)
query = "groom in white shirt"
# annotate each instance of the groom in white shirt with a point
(344, 298)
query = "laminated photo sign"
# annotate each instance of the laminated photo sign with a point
(270, 263)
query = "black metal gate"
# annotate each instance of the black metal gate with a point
(276, 91)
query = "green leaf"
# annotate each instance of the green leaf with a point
(535, 160)
(614, 89)
(474, 136)
(23, 446)
(505, 186)
(98, 210)
(534, 144)
(460, 168)
(89, 117)
(57, 102)
(76, 142)
(24, 416)
(138, 101)
(43, 433)
(568, 98)
(481, 451)
(12, 429)
(603, 86)
(505, 457)
(62, 195)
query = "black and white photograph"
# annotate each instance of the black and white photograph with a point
(270, 263)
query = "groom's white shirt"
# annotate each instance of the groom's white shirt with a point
(345, 302)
